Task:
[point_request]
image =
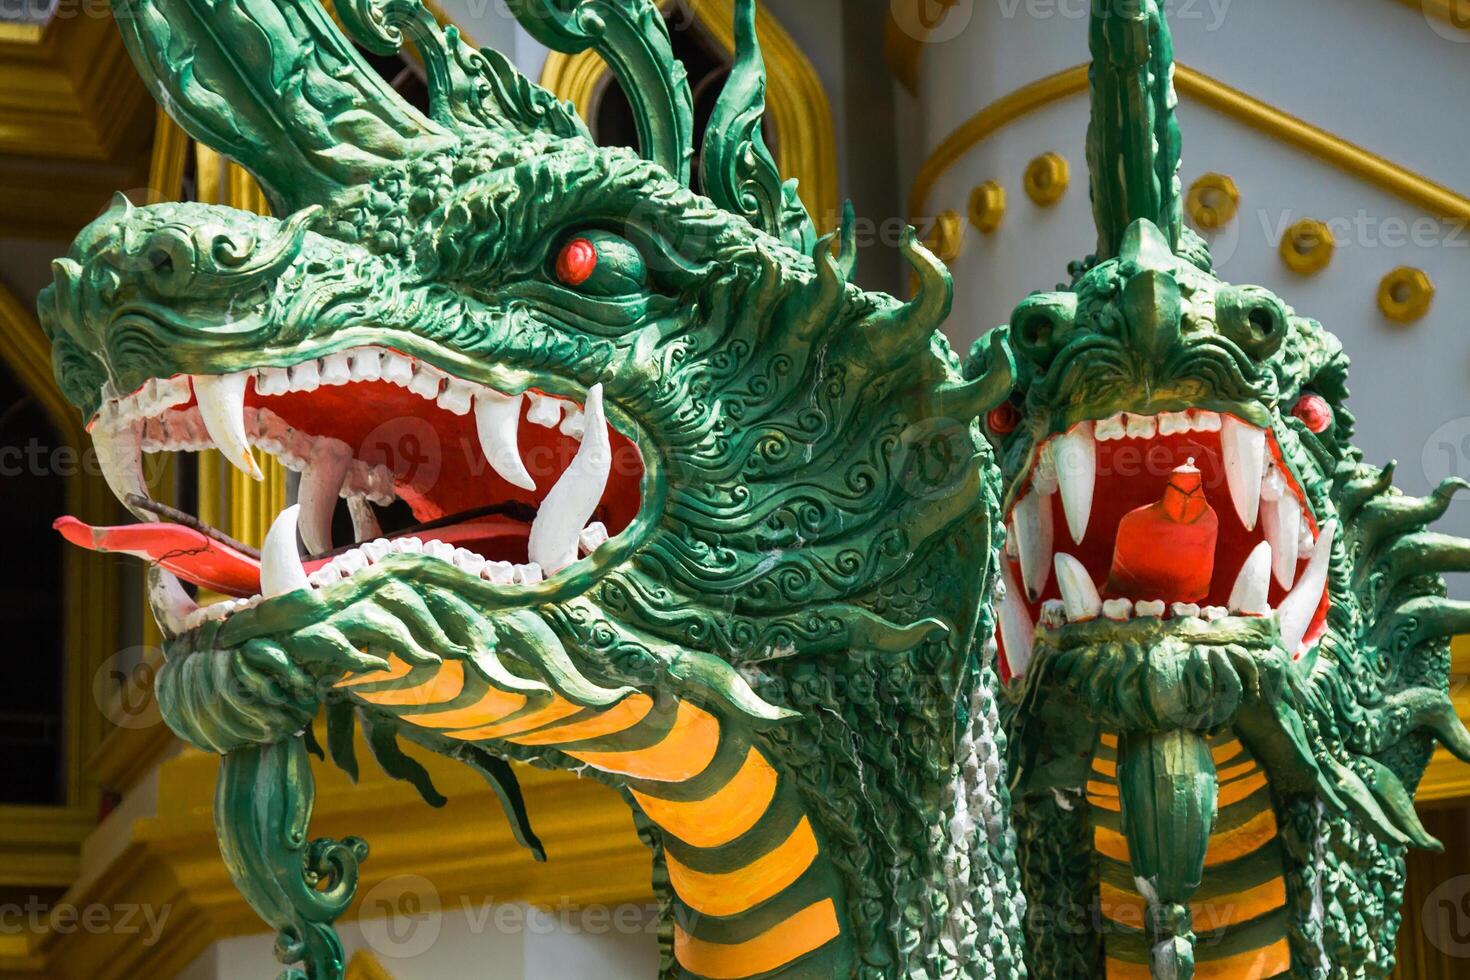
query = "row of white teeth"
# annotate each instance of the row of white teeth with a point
(183, 430)
(328, 466)
(282, 571)
(1082, 603)
(1068, 463)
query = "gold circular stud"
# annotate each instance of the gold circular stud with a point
(1213, 201)
(1307, 247)
(1405, 294)
(1047, 178)
(987, 206)
(946, 236)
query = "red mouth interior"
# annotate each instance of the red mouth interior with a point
(1134, 473)
(439, 471)
(439, 468)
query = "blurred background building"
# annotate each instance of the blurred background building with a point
(1325, 157)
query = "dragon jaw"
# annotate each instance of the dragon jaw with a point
(1153, 483)
(509, 489)
(1091, 539)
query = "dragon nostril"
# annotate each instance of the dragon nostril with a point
(1040, 325)
(1261, 321)
(1253, 318)
(1037, 331)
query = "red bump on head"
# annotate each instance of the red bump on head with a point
(1003, 419)
(1315, 412)
(577, 262)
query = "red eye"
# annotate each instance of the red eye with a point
(1003, 419)
(577, 262)
(1315, 412)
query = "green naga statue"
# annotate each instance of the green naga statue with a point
(680, 509)
(690, 513)
(1224, 635)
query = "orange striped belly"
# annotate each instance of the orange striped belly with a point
(1240, 912)
(682, 743)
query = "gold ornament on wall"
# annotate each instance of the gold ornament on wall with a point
(946, 236)
(1307, 247)
(1405, 294)
(1047, 178)
(987, 206)
(1213, 201)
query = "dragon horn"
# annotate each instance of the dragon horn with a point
(1133, 141)
(238, 82)
(847, 255)
(899, 332)
(736, 168)
(633, 39)
(976, 398)
(1398, 805)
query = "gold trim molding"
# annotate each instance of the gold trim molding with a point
(365, 966)
(1456, 13)
(73, 123)
(906, 33)
(1399, 181)
(946, 239)
(911, 22)
(40, 845)
(1046, 179)
(988, 207)
(806, 147)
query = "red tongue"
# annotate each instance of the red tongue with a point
(200, 559)
(212, 564)
(1167, 550)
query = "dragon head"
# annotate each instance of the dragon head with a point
(1167, 456)
(657, 467)
(1200, 568)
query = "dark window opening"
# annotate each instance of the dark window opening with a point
(34, 467)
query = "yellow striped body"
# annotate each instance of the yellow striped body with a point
(1240, 910)
(754, 895)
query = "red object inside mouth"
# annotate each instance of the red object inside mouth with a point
(1134, 549)
(1167, 548)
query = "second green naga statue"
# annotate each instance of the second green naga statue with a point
(710, 524)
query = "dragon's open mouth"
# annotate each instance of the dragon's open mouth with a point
(508, 488)
(1137, 518)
